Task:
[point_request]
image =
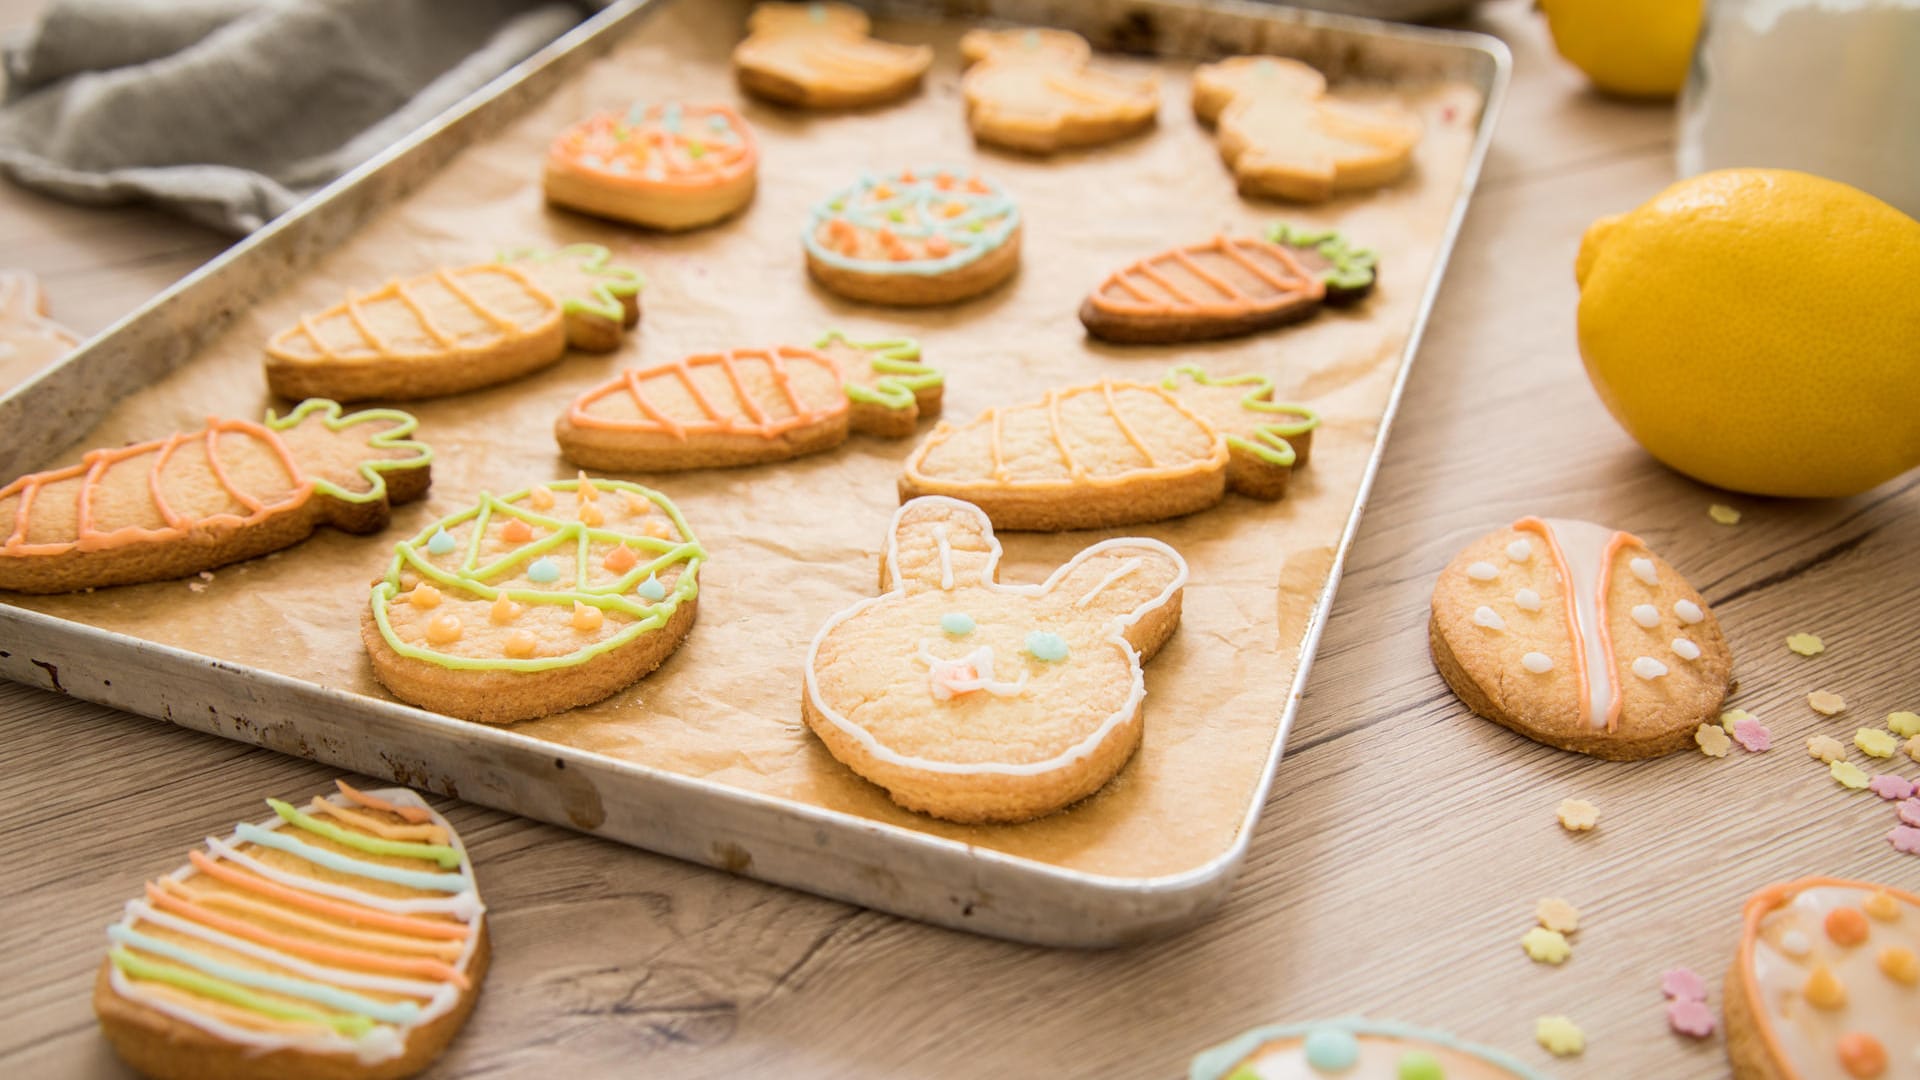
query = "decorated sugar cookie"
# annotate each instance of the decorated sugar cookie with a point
(1580, 637)
(1284, 137)
(915, 237)
(1348, 272)
(535, 602)
(342, 939)
(1354, 1048)
(746, 406)
(1032, 90)
(1224, 287)
(454, 329)
(192, 501)
(669, 166)
(975, 701)
(1117, 452)
(819, 56)
(29, 341)
(1826, 983)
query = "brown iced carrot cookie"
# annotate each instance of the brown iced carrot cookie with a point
(1116, 452)
(1032, 90)
(819, 56)
(977, 701)
(1283, 137)
(1580, 637)
(746, 406)
(1224, 287)
(196, 500)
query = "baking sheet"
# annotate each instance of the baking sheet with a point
(792, 543)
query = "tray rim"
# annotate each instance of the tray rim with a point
(1187, 894)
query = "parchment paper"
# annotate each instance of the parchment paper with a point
(791, 543)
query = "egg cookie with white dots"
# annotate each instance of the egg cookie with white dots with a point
(977, 701)
(1354, 1048)
(536, 602)
(1580, 637)
(1826, 983)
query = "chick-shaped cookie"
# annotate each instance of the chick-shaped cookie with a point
(1284, 138)
(1032, 90)
(977, 701)
(818, 56)
(1580, 637)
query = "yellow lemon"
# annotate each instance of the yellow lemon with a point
(1635, 48)
(1759, 330)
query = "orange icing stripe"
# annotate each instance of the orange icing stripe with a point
(313, 950)
(1758, 908)
(413, 814)
(1074, 468)
(1614, 544)
(373, 939)
(1076, 471)
(433, 329)
(750, 415)
(648, 155)
(1113, 408)
(499, 321)
(326, 905)
(1172, 299)
(429, 833)
(98, 462)
(1582, 685)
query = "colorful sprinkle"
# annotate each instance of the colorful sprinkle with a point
(1824, 990)
(1910, 812)
(1684, 984)
(1826, 704)
(1752, 735)
(1881, 905)
(1331, 1049)
(1900, 965)
(1561, 1036)
(1732, 717)
(1846, 926)
(1905, 838)
(1546, 946)
(1875, 743)
(1861, 1055)
(957, 623)
(440, 543)
(1826, 748)
(1047, 645)
(1712, 740)
(1913, 748)
(651, 590)
(1848, 775)
(1690, 1018)
(1724, 514)
(543, 571)
(1806, 644)
(1904, 724)
(1578, 815)
(1557, 915)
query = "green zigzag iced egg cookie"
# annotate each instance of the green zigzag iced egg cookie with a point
(535, 602)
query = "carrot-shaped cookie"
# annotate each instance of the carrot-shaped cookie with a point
(1283, 137)
(745, 406)
(1349, 273)
(673, 166)
(453, 329)
(1032, 90)
(914, 237)
(535, 602)
(343, 939)
(1115, 452)
(196, 500)
(819, 56)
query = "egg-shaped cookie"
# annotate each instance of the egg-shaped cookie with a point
(1354, 1048)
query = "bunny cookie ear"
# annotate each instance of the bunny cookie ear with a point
(938, 543)
(1122, 581)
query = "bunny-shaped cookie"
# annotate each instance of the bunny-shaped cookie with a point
(975, 701)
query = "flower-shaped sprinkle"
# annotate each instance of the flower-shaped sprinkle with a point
(1712, 739)
(1578, 815)
(1752, 735)
(1561, 1036)
(1806, 644)
(1546, 946)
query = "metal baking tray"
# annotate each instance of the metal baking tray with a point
(835, 854)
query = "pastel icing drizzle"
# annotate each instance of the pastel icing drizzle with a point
(672, 146)
(563, 565)
(248, 944)
(1354, 1048)
(924, 221)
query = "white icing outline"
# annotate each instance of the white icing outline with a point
(1118, 572)
(1116, 636)
(384, 1041)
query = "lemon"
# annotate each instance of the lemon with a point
(1635, 48)
(1759, 330)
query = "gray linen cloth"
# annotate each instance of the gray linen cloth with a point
(230, 111)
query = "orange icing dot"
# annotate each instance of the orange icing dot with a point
(978, 186)
(424, 596)
(943, 181)
(504, 611)
(938, 246)
(620, 560)
(886, 236)
(1881, 905)
(590, 515)
(586, 617)
(541, 497)
(1862, 1055)
(1846, 926)
(1900, 964)
(636, 505)
(953, 209)
(521, 644)
(906, 176)
(516, 531)
(882, 191)
(658, 530)
(444, 629)
(900, 254)
(585, 492)
(1824, 989)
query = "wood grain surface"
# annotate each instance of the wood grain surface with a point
(1399, 857)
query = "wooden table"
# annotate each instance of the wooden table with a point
(1398, 861)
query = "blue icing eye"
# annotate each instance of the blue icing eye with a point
(440, 543)
(651, 589)
(1047, 645)
(1331, 1049)
(543, 571)
(957, 623)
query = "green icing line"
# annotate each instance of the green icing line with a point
(446, 857)
(373, 470)
(610, 597)
(233, 994)
(616, 281)
(896, 361)
(1267, 441)
(1352, 267)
